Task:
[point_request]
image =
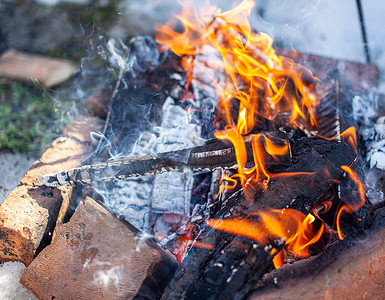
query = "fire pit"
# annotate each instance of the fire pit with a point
(236, 168)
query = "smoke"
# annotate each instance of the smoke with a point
(104, 274)
(108, 277)
(115, 55)
(137, 198)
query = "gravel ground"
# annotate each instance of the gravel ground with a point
(10, 288)
(12, 169)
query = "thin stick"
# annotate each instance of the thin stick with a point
(121, 71)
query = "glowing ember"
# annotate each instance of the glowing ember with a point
(290, 225)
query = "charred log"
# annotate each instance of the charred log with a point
(354, 265)
(232, 268)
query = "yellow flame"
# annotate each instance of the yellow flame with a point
(262, 85)
(354, 206)
(256, 78)
(293, 227)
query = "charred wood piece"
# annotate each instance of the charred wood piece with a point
(233, 267)
(213, 155)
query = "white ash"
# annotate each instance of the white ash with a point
(371, 129)
(375, 144)
(376, 155)
(170, 192)
(365, 108)
(163, 225)
(176, 131)
(131, 199)
(373, 192)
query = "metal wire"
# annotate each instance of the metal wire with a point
(363, 30)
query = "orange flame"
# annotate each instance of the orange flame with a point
(256, 76)
(352, 207)
(263, 85)
(349, 137)
(279, 260)
(262, 147)
(289, 225)
(240, 148)
(184, 241)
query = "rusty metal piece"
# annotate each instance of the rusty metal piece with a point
(213, 155)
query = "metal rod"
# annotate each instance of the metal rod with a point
(208, 157)
(363, 30)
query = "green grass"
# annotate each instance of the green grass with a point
(27, 117)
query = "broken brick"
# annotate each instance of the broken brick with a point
(97, 103)
(65, 153)
(30, 212)
(97, 256)
(25, 217)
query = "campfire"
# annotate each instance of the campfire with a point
(223, 155)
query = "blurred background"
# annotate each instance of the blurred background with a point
(80, 31)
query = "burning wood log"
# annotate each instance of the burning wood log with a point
(234, 264)
(214, 154)
(354, 266)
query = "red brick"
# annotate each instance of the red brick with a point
(65, 153)
(25, 217)
(95, 256)
(31, 68)
(97, 103)
(30, 212)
